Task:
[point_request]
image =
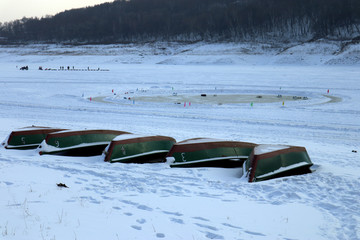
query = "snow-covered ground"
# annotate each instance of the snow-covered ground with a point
(153, 201)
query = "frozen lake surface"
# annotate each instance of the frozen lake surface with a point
(153, 201)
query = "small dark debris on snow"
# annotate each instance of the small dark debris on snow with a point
(62, 185)
(354, 151)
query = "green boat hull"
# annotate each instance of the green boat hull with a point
(78, 143)
(148, 149)
(226, 154)
(275, 164)
(28, 138)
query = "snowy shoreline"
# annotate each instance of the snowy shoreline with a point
(320, 52)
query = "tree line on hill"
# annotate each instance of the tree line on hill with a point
(192, 20)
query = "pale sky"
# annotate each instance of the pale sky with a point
(17, 9)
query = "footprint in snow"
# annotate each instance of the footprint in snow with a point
(213, 236)
(146, 208)
(82, 179)
(141, 221)
(129, 202)
(173, 213)
(202, 219)
(8, 183)
(231, 226)
(177, 220)
(254, 233)
(160, 235)
(107, 198)
(207, 226)
(275, 194)
(136, 227)
(293, 196)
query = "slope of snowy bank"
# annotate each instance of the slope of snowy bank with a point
(320, 52)
(153, 201)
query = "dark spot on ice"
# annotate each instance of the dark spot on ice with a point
(160, 235)
(62, 185)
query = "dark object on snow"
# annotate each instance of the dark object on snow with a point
(24, 68)
(354, 151)
(62, 185)
(82, 143)
(203, 95)
(273, 161)
(206, 152)
(130, 148)
(28, 137)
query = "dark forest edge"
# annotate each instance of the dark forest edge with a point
(137, 21)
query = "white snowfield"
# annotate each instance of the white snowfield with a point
(154, 201)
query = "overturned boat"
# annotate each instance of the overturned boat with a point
(206, 152)
(27, 137)
(78, 143)
(132, 148)
(273, 161)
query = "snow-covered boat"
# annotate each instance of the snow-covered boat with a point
(205, 152)
(27, 137)
(131, 148)
(273, 161)
(78, 143)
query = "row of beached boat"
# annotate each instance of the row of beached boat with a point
(259, 162)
